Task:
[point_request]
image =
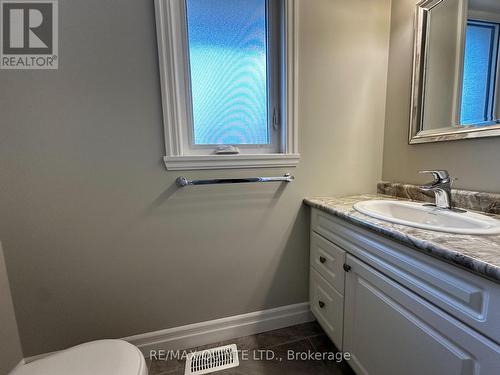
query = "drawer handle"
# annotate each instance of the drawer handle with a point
(322, 259)
(321, 304)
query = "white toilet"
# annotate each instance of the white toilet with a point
(103, 357)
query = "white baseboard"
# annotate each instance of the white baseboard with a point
(22, 362)
(37, 357)
(213, 331)
(204, 333)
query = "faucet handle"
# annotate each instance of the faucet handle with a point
(439, 175)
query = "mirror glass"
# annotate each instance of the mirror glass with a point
(457, 70)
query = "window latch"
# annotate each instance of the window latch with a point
(275, 119)
(227, 150)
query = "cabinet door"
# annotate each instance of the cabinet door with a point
(389, 330)
(327, 305)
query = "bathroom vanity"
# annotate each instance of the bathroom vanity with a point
(402, 300)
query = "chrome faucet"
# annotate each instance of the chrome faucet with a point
(441, 187)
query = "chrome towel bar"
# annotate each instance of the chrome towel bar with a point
(183, 181)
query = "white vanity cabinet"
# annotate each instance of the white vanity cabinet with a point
(398, 311)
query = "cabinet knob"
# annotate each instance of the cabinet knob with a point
(322, 259)
(346, 267)
(321, 304)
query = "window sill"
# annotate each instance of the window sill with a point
(180, 163)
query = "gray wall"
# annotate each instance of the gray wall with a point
(441, 67)
(99, 243)
(476, 163)
(10, 345)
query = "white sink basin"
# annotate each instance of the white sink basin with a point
(420, 216)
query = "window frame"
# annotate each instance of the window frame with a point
(181, 153)
(274, 45)
(493, 74)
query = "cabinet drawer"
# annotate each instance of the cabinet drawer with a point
(327, 305)
(472, 299)
(328, 259)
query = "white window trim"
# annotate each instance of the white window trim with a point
(173, 89)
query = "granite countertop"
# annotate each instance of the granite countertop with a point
(477, 253)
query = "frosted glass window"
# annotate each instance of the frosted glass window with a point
(229, 73)
(480, 66)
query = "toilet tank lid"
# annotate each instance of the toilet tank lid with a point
(103, 357)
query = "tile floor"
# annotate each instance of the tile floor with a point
(303, 338)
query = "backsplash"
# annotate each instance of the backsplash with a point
(469, 200)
